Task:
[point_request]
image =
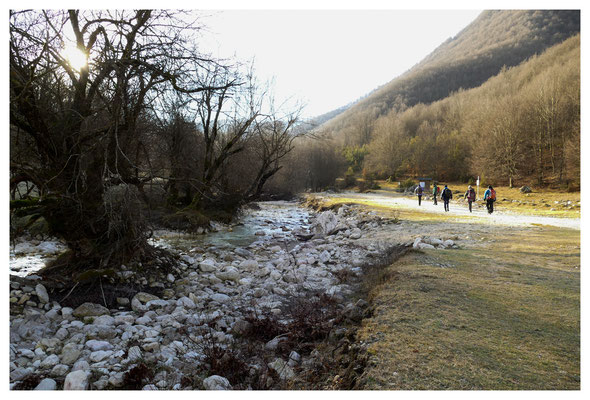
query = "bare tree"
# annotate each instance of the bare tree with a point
(85, 122)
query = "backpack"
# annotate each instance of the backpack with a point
(493, 194)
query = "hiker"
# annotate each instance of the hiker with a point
(446, 195)
(419, 192)
(490, 196)
(470, 196)
(435, 191)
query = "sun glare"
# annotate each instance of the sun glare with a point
(75, 57)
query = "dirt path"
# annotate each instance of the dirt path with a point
(501, 311)
(459, 208)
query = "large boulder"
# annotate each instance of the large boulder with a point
(326, 223)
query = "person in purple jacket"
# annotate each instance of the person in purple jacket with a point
(419, 192)
(470, 196)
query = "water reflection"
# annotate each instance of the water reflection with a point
(270, 220)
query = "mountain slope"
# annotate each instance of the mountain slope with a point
(493, 40)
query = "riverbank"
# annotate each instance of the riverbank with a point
(500, 312)
(251, 306)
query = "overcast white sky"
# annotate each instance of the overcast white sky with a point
(328, 58)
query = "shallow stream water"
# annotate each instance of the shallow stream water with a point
(272, 220)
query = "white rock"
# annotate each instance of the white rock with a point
(229, 274)
(153, 304)
(50, 361)
(170, 278)
(18, 374)
(27, 353)
(96, 345)
(425, 246)
(66, 311)
(278, 290)
(208, 265)
(42, 293)
(179, 346)
(104, 320)
(417, 241)
(249, 265)
(70, 353)
(282, 368)
(98, 356)
(356, 234)
(46, 384)
(134, 353)
(150, 387)
(81, 365)
(76, 380)
(220, 297)
(59, 370)
(276, 275)
(325, 223)
(117, 379)
(124, 319)
(294, 358)
(102, 383)
(61, 334)
(186, 302)
(216, 382)
(144, 320)
(435, 241)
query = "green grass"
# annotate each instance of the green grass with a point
(502, 316)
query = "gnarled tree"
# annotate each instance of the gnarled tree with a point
(85, 123)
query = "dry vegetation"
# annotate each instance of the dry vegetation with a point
(504, 316)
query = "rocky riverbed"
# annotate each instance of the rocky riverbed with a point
(245, 307)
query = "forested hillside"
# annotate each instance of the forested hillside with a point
(519, 122)
(494, 40)
(523, 124)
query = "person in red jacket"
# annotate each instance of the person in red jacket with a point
(470, 196)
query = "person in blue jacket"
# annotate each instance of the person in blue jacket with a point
(490, 197)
